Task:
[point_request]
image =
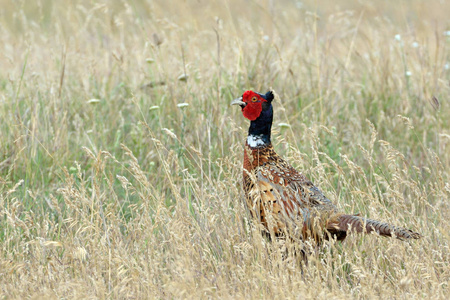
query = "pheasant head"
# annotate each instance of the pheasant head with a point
(258, 109)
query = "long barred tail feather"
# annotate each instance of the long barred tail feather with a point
(360, 224)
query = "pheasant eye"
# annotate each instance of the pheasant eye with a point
(254, 99)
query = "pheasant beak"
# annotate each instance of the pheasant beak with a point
(239, 102)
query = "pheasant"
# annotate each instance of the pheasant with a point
(283, 199)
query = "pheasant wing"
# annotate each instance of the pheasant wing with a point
(290, 200)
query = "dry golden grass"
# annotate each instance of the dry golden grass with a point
(111, 189)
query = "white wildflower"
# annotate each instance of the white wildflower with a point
(183, 77)
(284, 125)
(181, 105)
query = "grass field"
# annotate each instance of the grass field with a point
(121, 159)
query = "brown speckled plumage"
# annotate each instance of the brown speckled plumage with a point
(273, 187)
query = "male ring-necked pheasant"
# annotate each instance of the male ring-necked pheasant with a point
(282, 198)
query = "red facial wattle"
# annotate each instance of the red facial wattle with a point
(252, 111)
(254, 105)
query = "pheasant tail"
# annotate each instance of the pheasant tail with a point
(360, 224)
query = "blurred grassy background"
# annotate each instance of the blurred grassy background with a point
(110, 188)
